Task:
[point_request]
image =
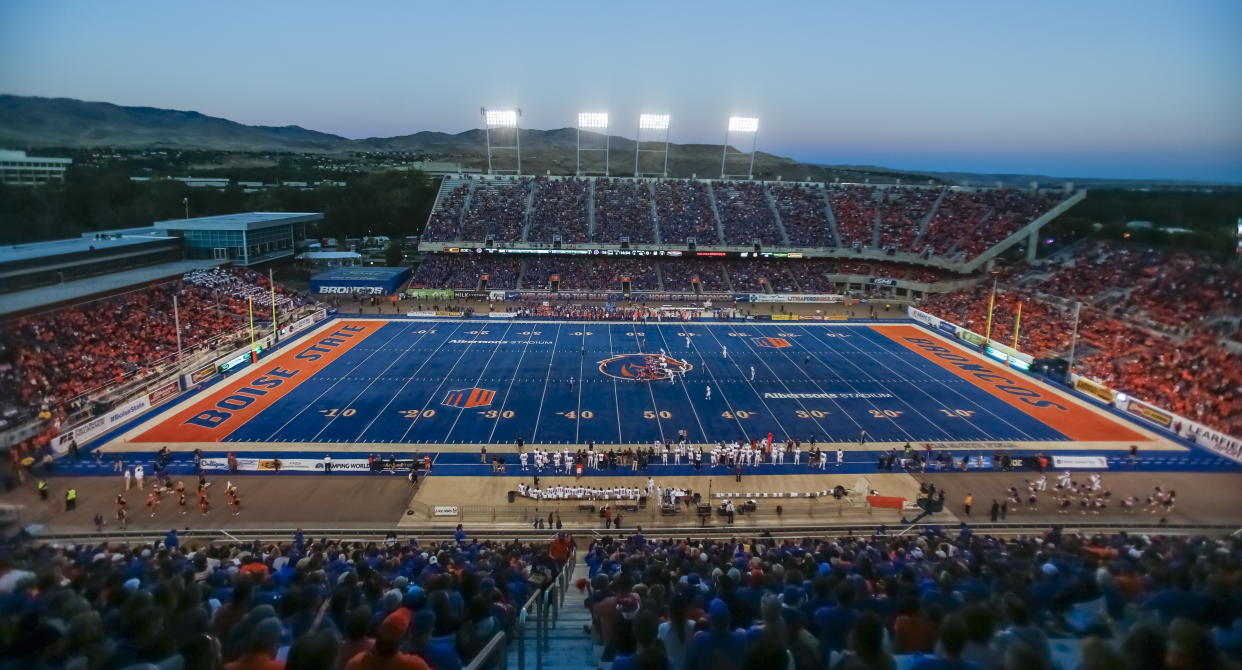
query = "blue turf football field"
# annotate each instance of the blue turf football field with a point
(474, 381)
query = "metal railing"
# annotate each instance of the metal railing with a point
(546, 603)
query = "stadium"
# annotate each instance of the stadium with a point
(610, 409)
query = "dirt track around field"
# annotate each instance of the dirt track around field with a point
(345, 501)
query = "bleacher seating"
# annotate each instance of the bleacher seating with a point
(623, 209)
(685, 211)
(446, 217)
(961, 224)
(560, 208)
(802, 210)
(679, 276)
(298, 603)
(901, 213)
(746, 214)
(497, 207)
(855, 208)
(928, 601)
(55, 358)
(1138, 333)
(462, 271)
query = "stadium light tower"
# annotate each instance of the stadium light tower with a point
(592, 121)
(502, 118)
(739, 125)
(655, 125)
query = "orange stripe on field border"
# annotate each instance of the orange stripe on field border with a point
(1057, 412)
(266, 382)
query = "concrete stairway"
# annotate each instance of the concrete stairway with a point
(568, 647)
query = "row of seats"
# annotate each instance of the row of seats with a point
(1148, 325)
(935, 220)
(462, 271)
(295, 604)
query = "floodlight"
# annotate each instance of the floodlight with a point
(743, 124)
(653, 121)
(500, 118)
(592, 119)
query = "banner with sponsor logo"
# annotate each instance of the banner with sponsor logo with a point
(445, 510)
(836, 317)
(166, 392)
(100, 425)
(1150, 412)
(800, 298)
(429, 294)
(202, 374)
(496, 295)
(300, 324)
(922, 317)
(425, 313)
(1229, 447)
(947, 328)
(319, 315)
(448, 314)
(883, 281)
(1098, 391)
(1080, 462)
(967, 336)
(287, 464)
(502, 315)
(472, 295)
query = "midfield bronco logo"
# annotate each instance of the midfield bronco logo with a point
(643, 367)
(468, 398)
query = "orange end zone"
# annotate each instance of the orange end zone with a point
(1068, 418)
(215, 416)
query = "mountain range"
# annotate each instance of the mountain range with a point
(33, 123)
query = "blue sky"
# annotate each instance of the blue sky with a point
(1102, 88)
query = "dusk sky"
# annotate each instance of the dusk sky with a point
(1103, 88)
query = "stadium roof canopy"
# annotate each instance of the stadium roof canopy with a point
(47, 297)
(243, 221)
(74, 245)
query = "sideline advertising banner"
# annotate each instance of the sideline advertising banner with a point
(1097, 391)
(101, 425)
(1080, 462)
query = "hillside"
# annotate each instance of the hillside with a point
(33, 123)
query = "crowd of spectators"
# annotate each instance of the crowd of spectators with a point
(961, 223)
(445, 222)
(1181, 365)
(685, 211)
(55, 360)
(803, 210)
(746, 214)
(497, 208)
(239, 286)
(780, 275)
(901, 214)
(855, 209)
(679, 276)
(928, 601)
(298, 604)
(463, 271)
(970, 222)
(583, 274)
(623, 209)
(560, 208)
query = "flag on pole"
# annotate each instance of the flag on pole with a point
(1017, 323)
